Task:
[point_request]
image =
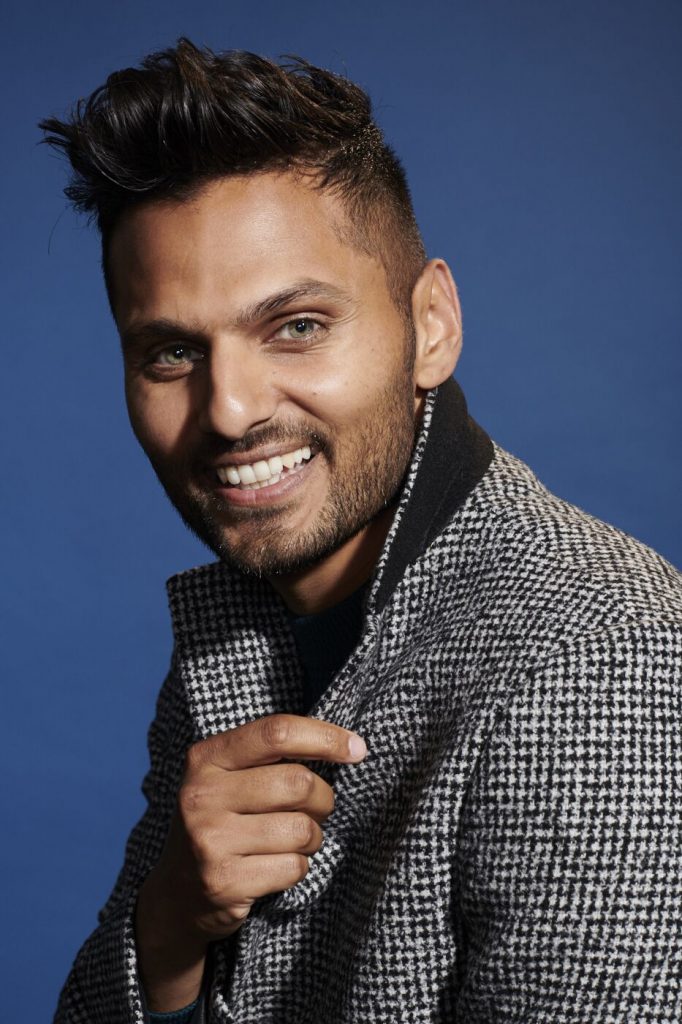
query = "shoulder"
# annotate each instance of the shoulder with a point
(586, 622)
(613, 693)
(586, 746)
(547, 568)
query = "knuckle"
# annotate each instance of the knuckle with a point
(202, 848)
(330, 739)
(212, 750)
(191, 800)
(299, 781)
(297, 866)
(303, 829)
(275, 731)
(194, 757)
(200, 752)
(218, 880)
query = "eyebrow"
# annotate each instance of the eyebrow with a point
(173, 330)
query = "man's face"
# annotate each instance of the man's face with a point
(268, 372)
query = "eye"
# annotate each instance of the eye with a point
(302, 328)
(177, 355)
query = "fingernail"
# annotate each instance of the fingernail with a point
(357, 747)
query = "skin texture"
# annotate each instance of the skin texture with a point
(250, 327)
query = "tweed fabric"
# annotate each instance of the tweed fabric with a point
(510, 849)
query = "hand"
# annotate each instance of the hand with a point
(244, 826)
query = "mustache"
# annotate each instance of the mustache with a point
(286, 433)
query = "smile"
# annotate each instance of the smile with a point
(265, 472)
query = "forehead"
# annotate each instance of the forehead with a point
(237, 239)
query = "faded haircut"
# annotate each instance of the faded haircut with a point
(188, 116)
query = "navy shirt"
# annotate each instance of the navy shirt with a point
(324, 642)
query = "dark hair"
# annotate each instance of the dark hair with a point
(188, 116)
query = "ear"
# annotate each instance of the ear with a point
(438, 325)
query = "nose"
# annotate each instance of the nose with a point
(238, 393)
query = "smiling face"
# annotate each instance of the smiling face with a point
(269, 375)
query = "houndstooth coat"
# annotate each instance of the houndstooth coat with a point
(510, 849)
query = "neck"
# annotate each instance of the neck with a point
(337, 576)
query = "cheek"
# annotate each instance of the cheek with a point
(156, 419)
(339, 392)
(339, 410)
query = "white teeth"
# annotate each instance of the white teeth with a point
(265, 483)
(262, 471)
(265, 472)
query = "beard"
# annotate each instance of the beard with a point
(366, 469)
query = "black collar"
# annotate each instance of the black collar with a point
(456, 455)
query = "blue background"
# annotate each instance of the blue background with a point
(542, 142)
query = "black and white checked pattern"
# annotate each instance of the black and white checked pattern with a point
(510, 851)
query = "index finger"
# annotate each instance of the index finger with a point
(274, 737)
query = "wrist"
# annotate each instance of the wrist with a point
(171, 956)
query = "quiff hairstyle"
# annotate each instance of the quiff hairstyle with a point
(188, 116)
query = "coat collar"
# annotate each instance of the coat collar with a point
(451, 455)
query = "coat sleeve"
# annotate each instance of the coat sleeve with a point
(102, 987)
(570, 866)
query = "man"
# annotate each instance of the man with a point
(417, 757)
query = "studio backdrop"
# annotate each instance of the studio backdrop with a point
(542, 143)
